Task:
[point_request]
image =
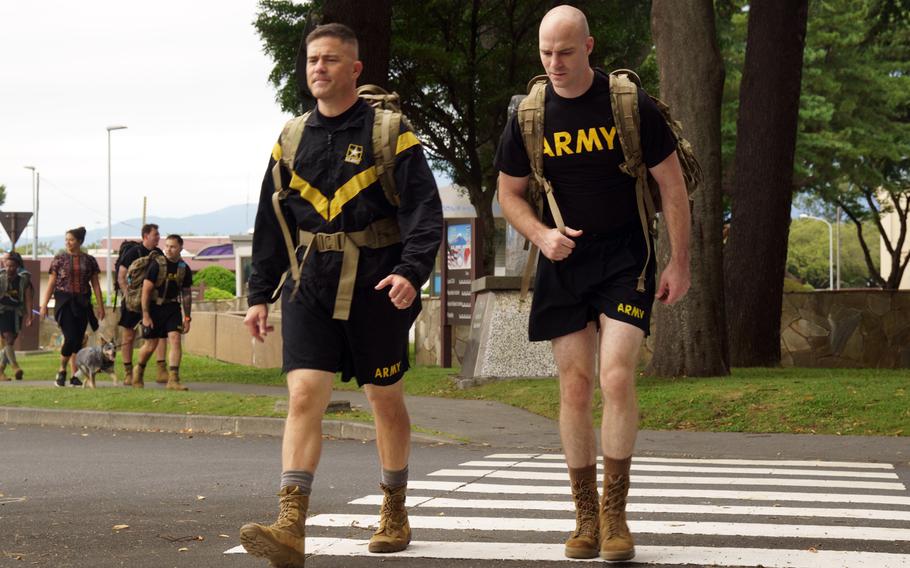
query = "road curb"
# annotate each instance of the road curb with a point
(197, 424)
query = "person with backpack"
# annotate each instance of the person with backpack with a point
(349, 195)
(598, 265)
(73, 276)
(129, 318)
(15, 309)
(166, 305)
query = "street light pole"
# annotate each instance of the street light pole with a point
(830, 248)
(109, 271)
(34, 213)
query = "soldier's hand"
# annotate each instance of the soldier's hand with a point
(256, 321)
(674, 283)
(557, 246)
(402, 293)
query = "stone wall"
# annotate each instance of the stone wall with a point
(428, 340)
(846, 328)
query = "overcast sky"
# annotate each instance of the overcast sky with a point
(189, 80)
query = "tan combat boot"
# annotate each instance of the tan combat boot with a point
(394, 533)
(282, 542)
(163, 375)
(127, 374)
(3, 376)
(173, 382)
(585, 541)
(615, 539)
(138, 382)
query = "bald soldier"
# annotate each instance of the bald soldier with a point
(586, 293)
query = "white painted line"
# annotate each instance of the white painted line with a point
(799, 463)
(511, 456)
(659, 508)
(688, 555)
(764, 530)
(739, 495)
(675, 480)
(695, 469)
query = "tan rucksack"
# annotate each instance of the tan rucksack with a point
(386, 124)
(624, 85)
(135, 276)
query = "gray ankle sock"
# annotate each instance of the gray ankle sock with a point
(302, 479)
(393, 479)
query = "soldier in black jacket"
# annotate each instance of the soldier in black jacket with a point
(362, 262)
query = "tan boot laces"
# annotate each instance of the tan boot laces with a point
(585, 510)
(614, 504)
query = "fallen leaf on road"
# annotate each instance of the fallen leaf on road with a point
(200, 497)
(121, 527)
(224, 536)
(184, 549)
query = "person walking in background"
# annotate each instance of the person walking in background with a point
(73, 276)
(165, 289)
(15, 309)
(130, 319)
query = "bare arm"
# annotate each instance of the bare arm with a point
(29, 292)
(96, 286)
(675, 279)
(51, 281)
(147, 287)
(553, 244)
(121, 279)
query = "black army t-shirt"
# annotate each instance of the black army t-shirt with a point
(582, 155)
(171, 286)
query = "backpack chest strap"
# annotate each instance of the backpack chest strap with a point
(379, 234)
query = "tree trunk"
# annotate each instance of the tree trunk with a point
(372, 22)
(756, 253)
(691, 337)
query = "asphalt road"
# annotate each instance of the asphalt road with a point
(184, 497)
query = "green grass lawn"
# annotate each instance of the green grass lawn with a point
(823, 401)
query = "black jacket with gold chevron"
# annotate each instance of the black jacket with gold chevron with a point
(334, 189)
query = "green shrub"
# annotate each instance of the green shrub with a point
(791, 285)
(216, 277)
(212, 293)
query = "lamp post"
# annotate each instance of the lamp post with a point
(830, 248)
(109, 271)
(35, 175)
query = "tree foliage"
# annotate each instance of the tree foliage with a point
(807, 255)
(2, 194)
(855, 121)
(216, 277)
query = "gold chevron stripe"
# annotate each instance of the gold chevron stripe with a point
(276, 152)
(405, 141)
(311, 194)
(351, 189)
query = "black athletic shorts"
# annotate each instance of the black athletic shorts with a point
(599, 277)
(167, 317)
(8, 322)
(371, 346)
(129, 319)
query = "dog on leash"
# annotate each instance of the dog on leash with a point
(93, 360)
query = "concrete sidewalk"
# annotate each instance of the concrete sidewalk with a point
(479, 422)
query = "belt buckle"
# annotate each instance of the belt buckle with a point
(332, 241)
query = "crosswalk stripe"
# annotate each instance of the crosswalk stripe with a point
(737, 481)
(657, 555)
(764, 530)
(694, 469)
(665, 508)
(497, 488)
(718, 461)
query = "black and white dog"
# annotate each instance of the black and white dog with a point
(93, 360)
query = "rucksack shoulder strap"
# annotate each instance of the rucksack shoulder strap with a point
(284, 153)
(530, 120)
(624, 103)
(386, 127)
